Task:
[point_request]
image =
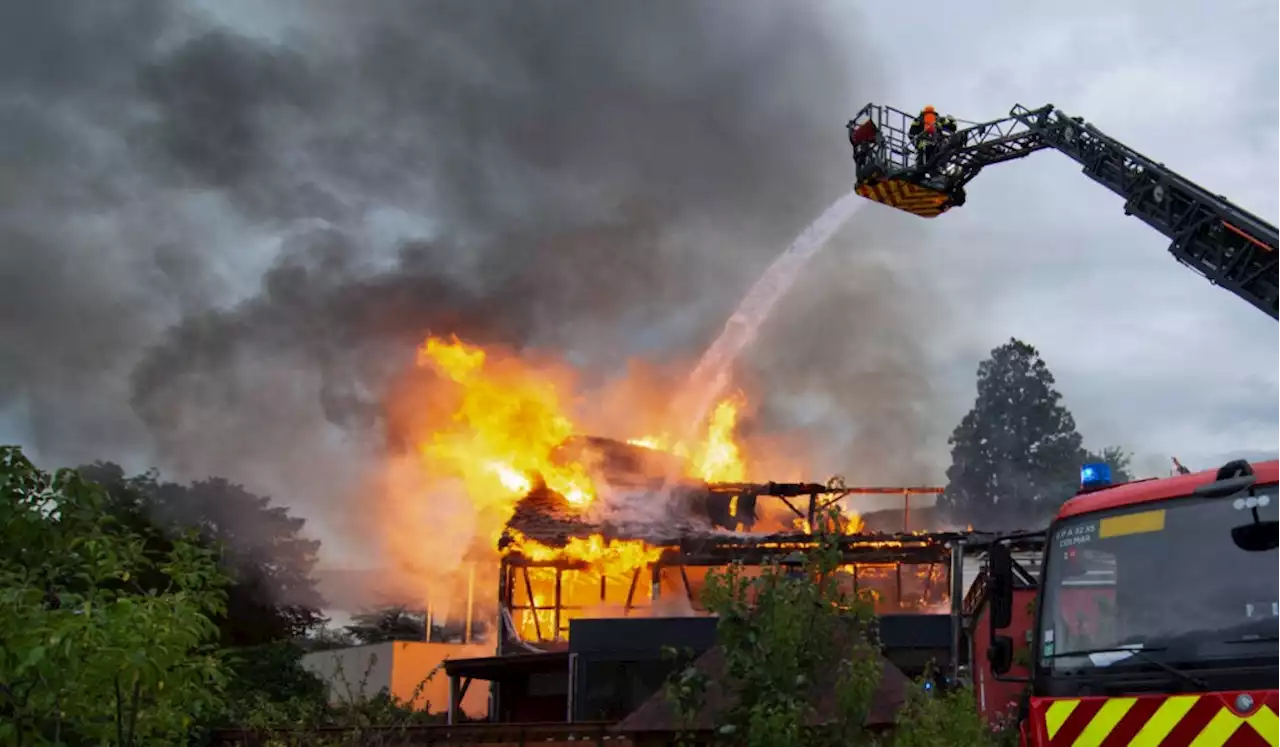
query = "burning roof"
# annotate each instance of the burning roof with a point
(647, 498)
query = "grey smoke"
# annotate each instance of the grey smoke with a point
(224, 235)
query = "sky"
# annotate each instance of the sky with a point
(233, 223)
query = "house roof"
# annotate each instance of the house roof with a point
(642, 503)
(657, 715)
(548, 518)
(636, 476)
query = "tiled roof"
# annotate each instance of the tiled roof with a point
(543, 515)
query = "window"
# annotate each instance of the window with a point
(1169, 576)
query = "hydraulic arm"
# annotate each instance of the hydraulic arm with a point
(1228, 245)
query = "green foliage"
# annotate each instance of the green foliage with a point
(270, 674)
(789, 637)
(308, 721)
(90, 655)
(931, 719)
(111, 612)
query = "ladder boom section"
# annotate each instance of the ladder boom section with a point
(1225, 243)
(978, 146)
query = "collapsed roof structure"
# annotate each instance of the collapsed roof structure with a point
(645, 547)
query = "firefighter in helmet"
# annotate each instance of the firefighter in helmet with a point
(924, 134)
(928, 131)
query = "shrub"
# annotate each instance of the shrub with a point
(937, 719)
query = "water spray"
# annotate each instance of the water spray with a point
(711, 377)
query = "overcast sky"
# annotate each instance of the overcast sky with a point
(210, 209)
(1147, 354)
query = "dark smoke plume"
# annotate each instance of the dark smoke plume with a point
(223, 234)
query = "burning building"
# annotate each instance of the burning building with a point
(570, 529)
(558, 565)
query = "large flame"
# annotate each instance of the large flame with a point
(504, 430)
(717, 458)
(508, 423)
(611, 557)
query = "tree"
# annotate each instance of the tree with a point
(87, 655)
(326, 638)
(1016, 455)
(273, 595)
(389, 624)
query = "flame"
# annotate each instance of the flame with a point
(504, 429)
(717, 458)
(654, 443)
(610, 565)
(610, 557)
(850, 522)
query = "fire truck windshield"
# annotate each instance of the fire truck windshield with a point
(1170, 577)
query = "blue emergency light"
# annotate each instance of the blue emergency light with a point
(1096, 475)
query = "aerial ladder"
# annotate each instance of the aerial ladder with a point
(1224, 243)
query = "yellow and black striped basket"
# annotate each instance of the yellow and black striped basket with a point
(904, 195)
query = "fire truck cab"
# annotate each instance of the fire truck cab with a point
(1157, 613)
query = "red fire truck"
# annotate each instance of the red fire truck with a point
(1171, 639)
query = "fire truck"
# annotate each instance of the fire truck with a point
(1223, 242)
(1154, 612)
(1156, 615)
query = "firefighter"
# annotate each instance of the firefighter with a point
(947, 125)
(929, 131)
(924, 133)
(949, 140)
